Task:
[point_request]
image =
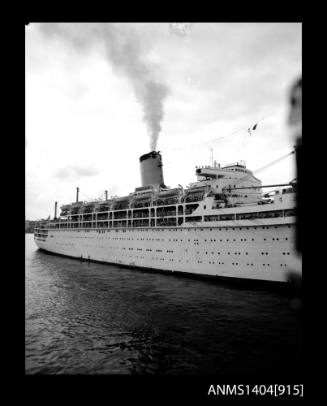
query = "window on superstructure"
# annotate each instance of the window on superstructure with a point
(227, 217)
(270, 214)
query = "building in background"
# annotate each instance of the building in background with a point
(29, 226)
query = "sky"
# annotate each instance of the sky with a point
(98, 96)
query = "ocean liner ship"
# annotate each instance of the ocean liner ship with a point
(222, 225)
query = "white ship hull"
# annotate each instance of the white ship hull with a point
(258, 250)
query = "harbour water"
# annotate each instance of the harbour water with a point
(89, 318)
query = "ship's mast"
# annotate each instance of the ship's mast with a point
(211, 156)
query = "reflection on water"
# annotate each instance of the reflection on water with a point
(91, 318)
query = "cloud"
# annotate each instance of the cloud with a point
(75, 172)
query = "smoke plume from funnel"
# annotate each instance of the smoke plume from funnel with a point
(127, 53)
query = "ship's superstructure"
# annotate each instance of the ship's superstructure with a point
(220, 225)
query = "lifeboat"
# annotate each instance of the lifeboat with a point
(169, 193)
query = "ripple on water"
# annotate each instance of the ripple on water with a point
(99, 319)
